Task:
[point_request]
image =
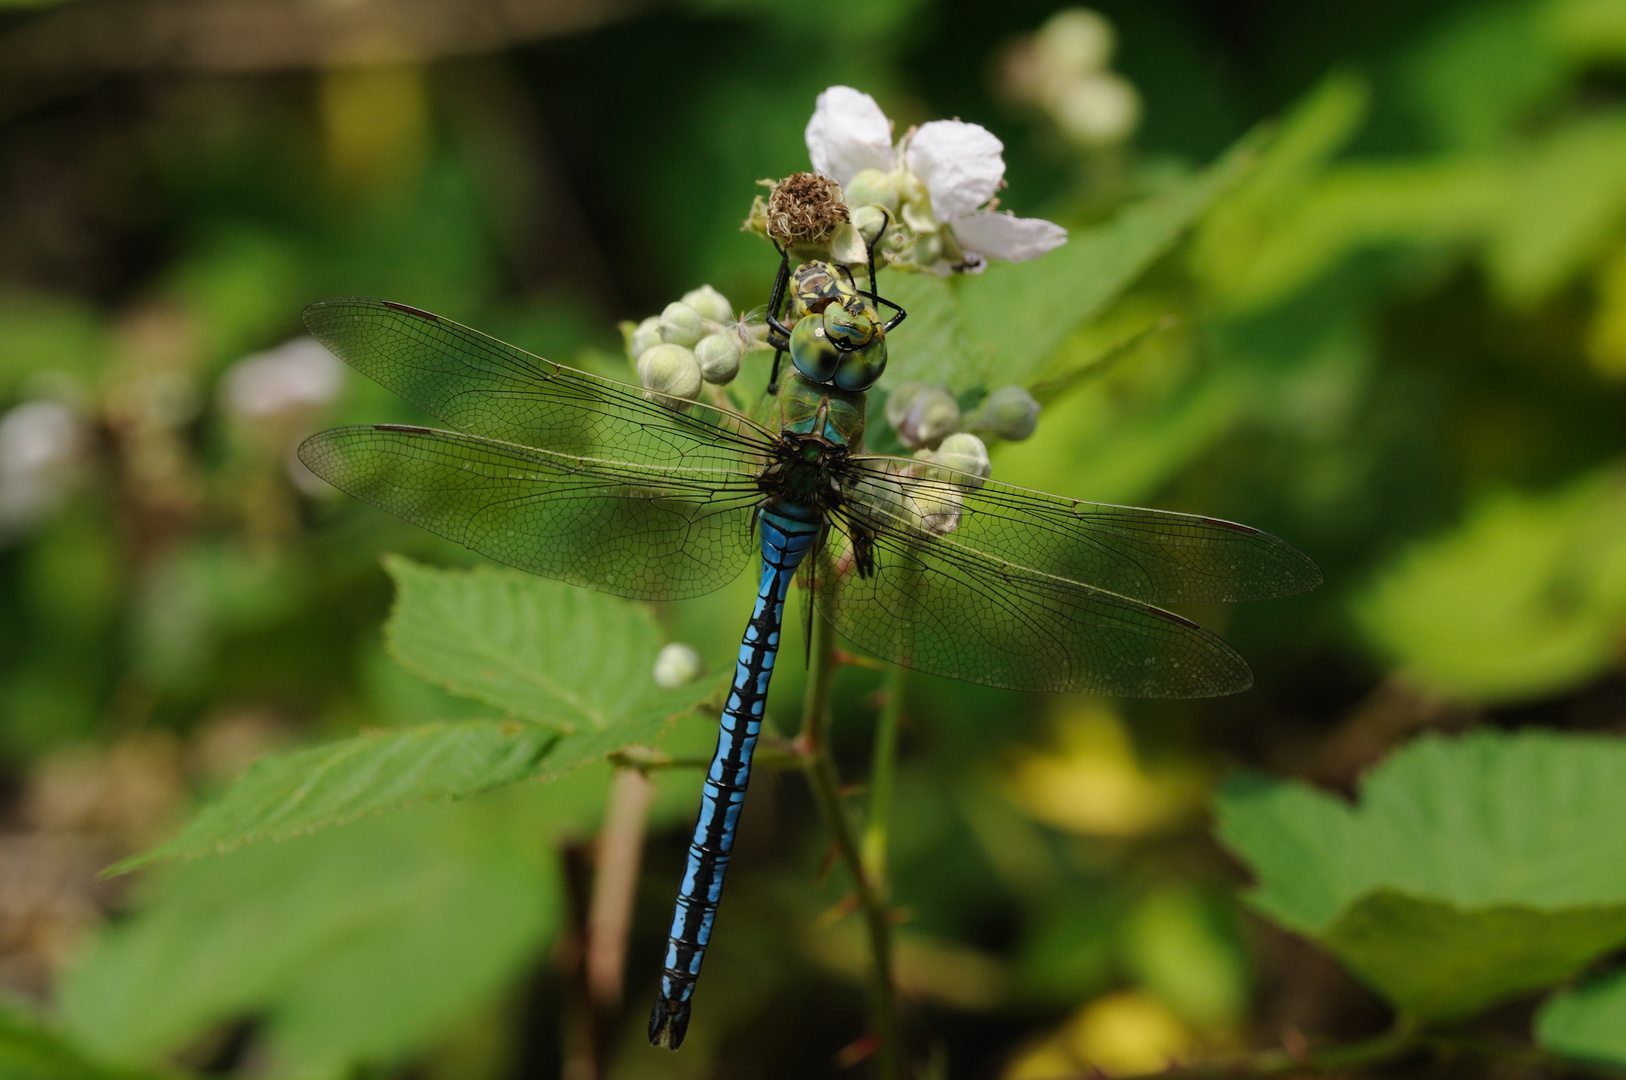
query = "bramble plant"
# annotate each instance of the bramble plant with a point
(354, 904)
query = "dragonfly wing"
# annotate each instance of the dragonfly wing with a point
(1151, 555)
(649, 534)
(933, 603)
(481, 386)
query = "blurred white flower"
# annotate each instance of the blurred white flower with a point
(293, 377)
(1063, 69)
(1098, 109)
(1077, 41)
(940, 178)
(676, 665)
(40, 443)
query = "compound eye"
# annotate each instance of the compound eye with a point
(859, 369)
(846, 329)
(812, 351)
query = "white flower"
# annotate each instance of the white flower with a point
(960, 164)
(295, 376)
(1063, 70)
(848, 134)
(677, 665)
(39, 443)
(956, 166)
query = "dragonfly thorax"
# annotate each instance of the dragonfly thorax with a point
(806, 474)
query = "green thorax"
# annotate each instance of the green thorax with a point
(831, 413)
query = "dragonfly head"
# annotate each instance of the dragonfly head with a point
(838, 338)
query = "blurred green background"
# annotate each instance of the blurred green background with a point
(1398, 340)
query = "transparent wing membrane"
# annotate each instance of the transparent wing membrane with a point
(940, 606)
(649, 534)
(1151, 555)
(481, 386)
(572, 476)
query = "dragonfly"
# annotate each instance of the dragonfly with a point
(612, 486)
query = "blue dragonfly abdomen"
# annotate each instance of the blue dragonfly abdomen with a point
(788, 533)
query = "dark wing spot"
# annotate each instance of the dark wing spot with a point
(404, 428)
(1172, 617)
(404, 309)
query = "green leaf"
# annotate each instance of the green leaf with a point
(579, 662)
(288, 795)
(1486, 67)
(1185, 948)
(356, 945)
(1577, 176)
(1588, 1022)
(1526, 597)
(1019, 314)
(1472, 870)
(29, 1053)
(578, 666)
(1237, 250)
(935, 348)
(1474, 956)
(40, 334)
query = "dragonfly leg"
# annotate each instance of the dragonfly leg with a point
(874, 288)
(869, 254)
(777, 297)
(894, 320)
(773, 378)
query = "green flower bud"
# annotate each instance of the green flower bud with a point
(681, 325)
(669, 370)
(932, 415)
(872, 187)
(645, 336)
(710, 303)
(898, 402)
(928, 249)
(868, 221)
(1008, 412)
(719, 357)
(676, 665)
(934, 507)
(965, 452)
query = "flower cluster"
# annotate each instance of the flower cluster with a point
(927, 419)
(695, 341)
(925, 415)
(933, 191)
(1063, 70)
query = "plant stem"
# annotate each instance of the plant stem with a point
(883, 772)
(615, 885)
(821, 775)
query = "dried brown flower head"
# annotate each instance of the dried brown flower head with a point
(805, 208)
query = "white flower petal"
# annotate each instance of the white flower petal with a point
(848, 134)
(959, 163)
(1002, 236)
